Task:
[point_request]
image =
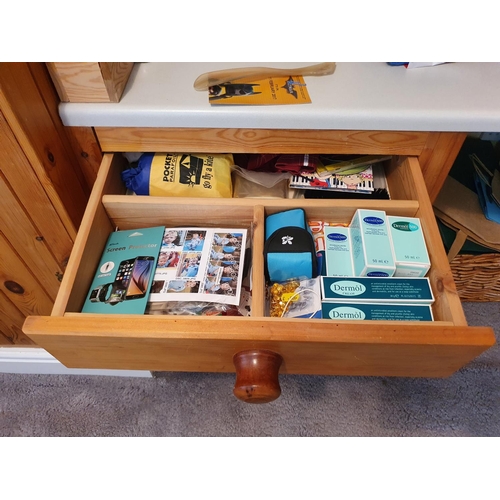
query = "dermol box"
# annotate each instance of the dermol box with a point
(338, 251)
(355, 311)
(408, 243)
(371, 245)
(377, 290)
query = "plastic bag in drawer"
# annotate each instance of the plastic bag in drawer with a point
(181, 175)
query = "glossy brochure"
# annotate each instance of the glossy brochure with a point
(200, 264)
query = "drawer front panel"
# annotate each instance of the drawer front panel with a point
(209, 344)
(261, 140)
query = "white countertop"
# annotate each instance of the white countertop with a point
(460, 97)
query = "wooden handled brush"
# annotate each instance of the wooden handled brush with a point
(206, 80)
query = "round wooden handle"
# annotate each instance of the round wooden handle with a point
(257, 376)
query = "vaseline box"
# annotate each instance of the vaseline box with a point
(410, 250)
(371, 245)
(377, 290)
(356, 311)
(338, 252)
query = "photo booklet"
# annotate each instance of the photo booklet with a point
(200, 265)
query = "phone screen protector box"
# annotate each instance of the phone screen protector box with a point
(371, 245)
(122, 282)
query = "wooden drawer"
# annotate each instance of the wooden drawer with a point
(181, 343)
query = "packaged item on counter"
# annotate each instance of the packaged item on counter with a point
(181, 175)
(268, 91)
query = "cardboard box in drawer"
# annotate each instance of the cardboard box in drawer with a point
(377, 290)
(125, 272)
(338, 251)
(356, 311)
(371, 245)
(408, 243)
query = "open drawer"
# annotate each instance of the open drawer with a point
(300, 346)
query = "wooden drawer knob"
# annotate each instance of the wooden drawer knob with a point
(257, 376)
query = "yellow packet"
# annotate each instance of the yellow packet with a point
(182, 175)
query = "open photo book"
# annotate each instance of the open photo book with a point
(200, 264)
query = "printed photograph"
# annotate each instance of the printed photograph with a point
(228, 239)
(222, 288)
(226, 253)
(194, 241)
(190, 265)
(157, 286)
(182, 286)
(172, 238)
(168, 259)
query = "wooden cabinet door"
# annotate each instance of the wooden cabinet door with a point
(43, 194)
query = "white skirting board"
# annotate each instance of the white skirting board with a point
(37, 361)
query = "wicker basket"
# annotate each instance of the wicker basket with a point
(477, 277)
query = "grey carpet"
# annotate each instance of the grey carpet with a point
(189, 404)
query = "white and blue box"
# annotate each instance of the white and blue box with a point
(122, 282)
(377, 290)
(356, 311)
(338, 251)
(408, 243)
(371, 245)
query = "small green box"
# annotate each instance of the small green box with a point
(355, 311)
(377, 290)
(408, 243)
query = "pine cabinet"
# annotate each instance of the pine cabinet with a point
(43, 195)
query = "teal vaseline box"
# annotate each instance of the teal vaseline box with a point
(371, 245)
(379, 290)
(355, 311)
(408, 243)
(338, 252)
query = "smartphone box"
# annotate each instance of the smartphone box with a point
(122, 282)
(371, 245)
(408, 243)
(338, 252)
(356, 311)
(377, 290)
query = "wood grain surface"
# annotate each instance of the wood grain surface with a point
(27, 210)
(215, 140)
(307, 346)
(90, 81)
(27, 113)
